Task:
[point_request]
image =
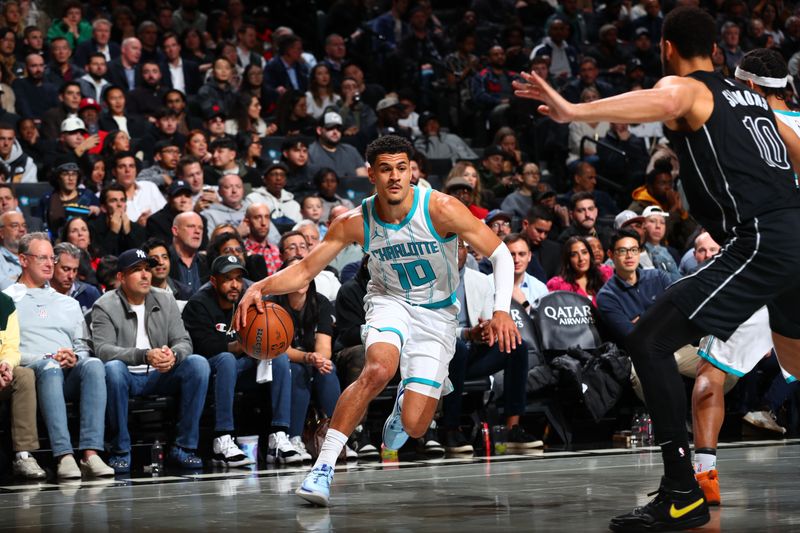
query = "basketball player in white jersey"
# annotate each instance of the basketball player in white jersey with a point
(411, 307)
(765, 71)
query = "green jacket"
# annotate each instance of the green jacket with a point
(60, 29)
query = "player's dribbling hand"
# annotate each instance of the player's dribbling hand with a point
(535, 88)
(503, 330)
(252, 297)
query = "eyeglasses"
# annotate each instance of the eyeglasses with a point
(621, 252)
(41, 259)
(500, 224)
(228, 250)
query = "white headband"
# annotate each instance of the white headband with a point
(762, 81)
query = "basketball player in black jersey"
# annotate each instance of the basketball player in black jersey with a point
(737, 175)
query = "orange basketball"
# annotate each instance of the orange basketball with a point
(268, 334)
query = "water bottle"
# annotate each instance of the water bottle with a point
(648, 430)
(157, 458)
(636, 430)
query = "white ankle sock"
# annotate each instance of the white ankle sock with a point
(331, 448)
(22, 455)
(703, 462)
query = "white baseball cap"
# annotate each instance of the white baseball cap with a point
(71, 124)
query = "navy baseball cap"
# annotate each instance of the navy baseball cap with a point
(133, 257)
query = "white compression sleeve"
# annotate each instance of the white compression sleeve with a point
(503, 272)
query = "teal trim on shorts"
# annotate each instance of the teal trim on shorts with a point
(429, 223)
(787, 113)
(422, 381)
(365, 216)
(721, 366)
(447, 302)
(791, 379)
(392, 330)
(403, 222)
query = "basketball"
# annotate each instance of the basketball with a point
(267, 335)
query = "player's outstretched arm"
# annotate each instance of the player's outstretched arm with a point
(671, 98)
(450, 216)
(347, 228)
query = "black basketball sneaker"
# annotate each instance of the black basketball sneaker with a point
(670, 510)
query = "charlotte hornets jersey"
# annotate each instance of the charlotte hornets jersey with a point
(410, 260)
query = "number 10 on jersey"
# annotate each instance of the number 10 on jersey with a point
(414, 274)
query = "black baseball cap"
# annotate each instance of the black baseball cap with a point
(178, 186)
(133, 257)
(225, 263)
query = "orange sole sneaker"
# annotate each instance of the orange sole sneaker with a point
(709, 482)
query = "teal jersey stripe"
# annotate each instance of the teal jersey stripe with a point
(447, 302)
(721, 366)
(365, 216)
(403, 222)
(392, 330)
(422, 381)
(426, 210)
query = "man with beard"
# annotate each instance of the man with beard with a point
(34, 95)
(207, 317)
(327, 151)
(70, 97)
(583, 213)
(659, 190)
(146, 98)
(157, 250)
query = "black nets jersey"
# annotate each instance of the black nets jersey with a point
(736, 166)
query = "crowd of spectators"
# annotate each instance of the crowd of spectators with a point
(183, 151)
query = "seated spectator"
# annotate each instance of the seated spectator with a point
(158, 253)
(148, 95)
(491, 169)
(584, 179)
(705, 248)
(598, 254)
(231, 368)
(519, 202)
(214, 118)
(291, 115)
(65, 277)
(107, 273)
(143, 197)
(245, 117)
(187, 266)
(89, 113)
(629, 220)
(66, 200)
(231, 209)
(9, 202)
(527, 289)
(253, 83)
(352, 253)
(112, 231)
(197, 146)
(293, 244)
(578, 149)
(611, 56)
(17, 384)
(29, 139)
(659, 190)
(546, 260)
(286, 71)
(328, 151)
(473, 358)
(327, 183)
(34, 95)
(583, 212)
(69, 99)
(506, 139)
(218, 90)
(436, 144)
(257, 220)
(284, 209)
(115, 142)
(12, 229)
(461, 189)
(21, 166)
(587, 78)
(224, 160)
(179, 200)
(626, 166)
(129, 354)
(579, 274)
(76, 232)
(167, 152)
(563, 56)
(321, 92)
(311, 210)
(499, 222)
(117, 117)
(294, 154)
(94, 83)
(165, 128)
(310, 359)
(100, 43)
(54, 343)
(389, 111)
(226, 241)
(420, 169)
(190, 171)
(71, 27)
(370, 93)
(175, 101)
(310, 231)
(655, 227)
(72, 143)
(631, 290)
(60, 69)
(358, 119)
(491, 88)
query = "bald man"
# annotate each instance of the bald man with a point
(185, 264)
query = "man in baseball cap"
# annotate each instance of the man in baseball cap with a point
(132, 258)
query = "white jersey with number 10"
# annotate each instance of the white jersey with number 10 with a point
(410, 260)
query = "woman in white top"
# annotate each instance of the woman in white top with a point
(320, 94)
(246, 116)
(579, 130)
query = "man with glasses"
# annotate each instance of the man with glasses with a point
(499, 221)
(167, 154)
(328, 151)
(53, 342)
(294, 245)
